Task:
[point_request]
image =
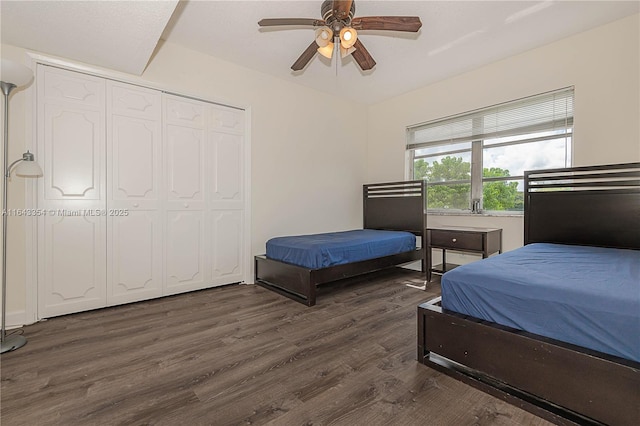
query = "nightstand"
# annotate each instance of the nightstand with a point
(481, 241)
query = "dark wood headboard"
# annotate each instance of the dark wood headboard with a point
(595, 206)
(395, 206)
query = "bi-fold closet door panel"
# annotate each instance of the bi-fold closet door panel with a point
(185, 225)
(146, 192)
(72, 192)
(226, 201)
(134, 193)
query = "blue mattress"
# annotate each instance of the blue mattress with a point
(337, 248)
(588, 296)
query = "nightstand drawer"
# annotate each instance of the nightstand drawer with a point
(456, 240)
(482, 241)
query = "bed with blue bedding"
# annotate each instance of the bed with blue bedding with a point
(541, 288)
(338, 248)
(393, 224)
(554, 326)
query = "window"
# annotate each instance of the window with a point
(476, 161)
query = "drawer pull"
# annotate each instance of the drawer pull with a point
(454, 239)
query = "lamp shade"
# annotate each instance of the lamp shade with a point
(326, 51)
(28, 169)
(346, 52)
(323, 36)
(27, 166)
(348, 37)
(15, 73)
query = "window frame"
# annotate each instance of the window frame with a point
(477, 147)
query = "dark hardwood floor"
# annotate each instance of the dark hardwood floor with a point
(240, 355)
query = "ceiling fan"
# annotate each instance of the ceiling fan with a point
(338, 27)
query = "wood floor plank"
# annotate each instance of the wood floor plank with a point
(243, 355)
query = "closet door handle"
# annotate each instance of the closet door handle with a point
(186, 206)
(136, 205)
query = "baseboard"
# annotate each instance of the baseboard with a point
(16, 319)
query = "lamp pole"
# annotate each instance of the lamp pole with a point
(15, 341)
(12, 75)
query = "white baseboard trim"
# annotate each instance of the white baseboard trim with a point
(16, 319)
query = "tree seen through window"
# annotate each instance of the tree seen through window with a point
(455, 190)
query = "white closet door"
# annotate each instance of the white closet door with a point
(144, 193)
(134, 206)
(71, 143)
(186, 242)
(226, 197)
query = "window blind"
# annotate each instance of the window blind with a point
(551, 111)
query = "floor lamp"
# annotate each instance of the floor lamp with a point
(12, 75)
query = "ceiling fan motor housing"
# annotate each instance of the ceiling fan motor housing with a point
(327, 14)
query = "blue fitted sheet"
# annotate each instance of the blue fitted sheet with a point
(337, 248)
(588, 296)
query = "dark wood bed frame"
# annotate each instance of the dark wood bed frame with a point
(564, 383)
(395, 206)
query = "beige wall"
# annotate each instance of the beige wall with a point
(304, 177)
(602, 64)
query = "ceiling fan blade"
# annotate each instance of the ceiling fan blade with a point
(362, 56)
(391, 23)
(273, 22)
(306, 56)
(341, 8)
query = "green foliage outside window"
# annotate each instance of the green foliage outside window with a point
(501, 195)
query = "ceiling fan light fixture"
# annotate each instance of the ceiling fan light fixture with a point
(348, 37)
(338, 26)
(324, 35)
(346, 52)
(326, 51)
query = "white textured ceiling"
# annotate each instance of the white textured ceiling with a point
(456, 36)
(119, 35)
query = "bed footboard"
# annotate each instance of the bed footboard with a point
(300, 284)
(291, 281)
(561, 382)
